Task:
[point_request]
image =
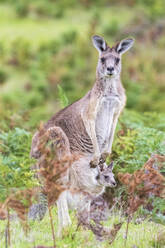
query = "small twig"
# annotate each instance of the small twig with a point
(52, 227)
(8, 226)
(74, 234)
(114, 205)
(6, 238)
(114, 232)
(126, 234)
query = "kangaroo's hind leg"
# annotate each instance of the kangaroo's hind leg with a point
(59, 144)
(59, 141)
(63, 212)
(54, 136)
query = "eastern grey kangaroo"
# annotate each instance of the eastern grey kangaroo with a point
(90, 122)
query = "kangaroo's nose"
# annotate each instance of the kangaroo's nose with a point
(110, 69)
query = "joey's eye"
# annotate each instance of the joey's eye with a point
(103, 60)
(106, 177)
(117, 61)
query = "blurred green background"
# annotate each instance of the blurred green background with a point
(44, 43)
(47, 60)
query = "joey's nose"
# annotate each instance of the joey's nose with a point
(114, 184)
(110, 69)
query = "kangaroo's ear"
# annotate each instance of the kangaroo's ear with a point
(124, 45)
(111, 165)
(99, 43)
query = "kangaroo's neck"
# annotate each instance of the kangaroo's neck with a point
(107, 85)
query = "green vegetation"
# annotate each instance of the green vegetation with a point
(143, 235)
(136, 142)
(47, 61)
(15, 162)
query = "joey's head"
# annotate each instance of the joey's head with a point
(106, 176)
(109, 63)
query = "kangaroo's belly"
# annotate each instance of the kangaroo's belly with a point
(109, 108)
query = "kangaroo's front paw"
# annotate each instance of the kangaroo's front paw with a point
(94, 162)
(103, 157)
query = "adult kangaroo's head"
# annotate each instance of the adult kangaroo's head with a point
(109, 63)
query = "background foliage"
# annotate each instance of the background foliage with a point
(47, 61)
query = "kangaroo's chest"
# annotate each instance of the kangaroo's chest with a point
(109, 107)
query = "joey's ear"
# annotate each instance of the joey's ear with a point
(99, 43)
(124, 45)
(111, 165)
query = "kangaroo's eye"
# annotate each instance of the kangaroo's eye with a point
(103, 60)
(117, 61)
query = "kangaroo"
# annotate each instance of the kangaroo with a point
(90, 122)
(88, 125)
(85, 185)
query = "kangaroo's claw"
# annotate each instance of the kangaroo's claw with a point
(103, 157)
(94, 163)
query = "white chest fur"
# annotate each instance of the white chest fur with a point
(110, 105)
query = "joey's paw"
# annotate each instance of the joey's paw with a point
(59, 234)
(64, 232)
(103, 157)
(94, 162)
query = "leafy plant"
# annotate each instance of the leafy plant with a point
(62, 96)
(15, 162)
(3, 76)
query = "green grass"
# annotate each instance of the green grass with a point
(142, 235)
(31, 29)
(38, 30)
